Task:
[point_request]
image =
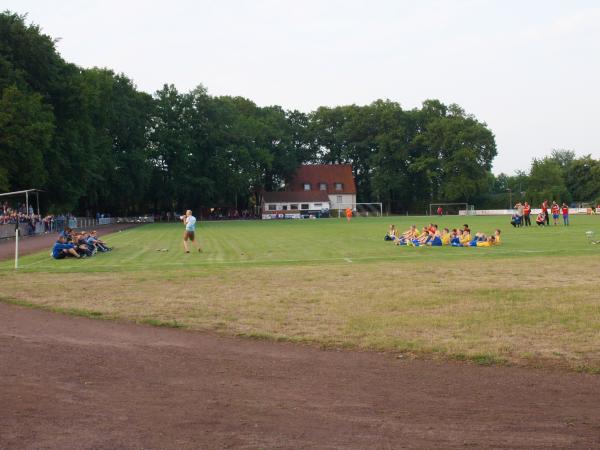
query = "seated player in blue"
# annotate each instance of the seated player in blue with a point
(435, 240)
(479, 237)
(456, 237)
(62, 249)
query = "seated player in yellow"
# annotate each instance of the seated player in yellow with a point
(497, 239)
(446, 236)
(465, 237)
(490, 241)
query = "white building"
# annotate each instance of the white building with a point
(314, 189)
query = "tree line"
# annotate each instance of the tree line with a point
(94, 142)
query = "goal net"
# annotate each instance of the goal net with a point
(447, 209)
(360, 209)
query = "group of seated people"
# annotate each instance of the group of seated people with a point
(432, 236)
(78, 244)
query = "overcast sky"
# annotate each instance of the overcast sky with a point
(529, 69)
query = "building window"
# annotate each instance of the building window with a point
(318, 205)
(339, 186)
(323, 186)
(307, 186)
(271, 207)
(304, 206)
(339, 199)
(293, 206)
(284, 207)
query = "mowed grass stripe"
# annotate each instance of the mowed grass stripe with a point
(314, 241)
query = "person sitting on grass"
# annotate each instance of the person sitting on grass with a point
(446, 236)
(425, 235)
(488, 242)
(63, 249)
(96, 242)
(497, 240)
(81, 245)
(408, 236)
(435, 238)
(541, 219)
(67, 233)
(456, 237)
(102, 245)
(466, 237)
(391, 234)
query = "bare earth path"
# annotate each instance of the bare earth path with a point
(33, 244)
(70, 382)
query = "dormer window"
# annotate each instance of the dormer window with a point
(322, 186)
(339, 186)
(307, 186)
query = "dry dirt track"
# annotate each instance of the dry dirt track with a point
(69, 382)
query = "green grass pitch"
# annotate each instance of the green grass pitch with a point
(314, 242)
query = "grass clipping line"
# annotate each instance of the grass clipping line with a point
(538, 311)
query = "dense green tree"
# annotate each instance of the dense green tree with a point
(94, 142)
(546, 182)
(583, 179)
(27, 128)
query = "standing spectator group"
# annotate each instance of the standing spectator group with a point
(522, 214)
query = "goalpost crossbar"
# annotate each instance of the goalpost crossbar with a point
(465, 205)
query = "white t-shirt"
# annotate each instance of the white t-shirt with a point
(190, 223)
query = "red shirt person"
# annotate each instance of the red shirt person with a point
(565, 214)
(526, 214)
(545, 212)
(555, 212)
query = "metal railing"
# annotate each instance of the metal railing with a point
(81, 223)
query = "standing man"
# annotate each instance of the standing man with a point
(440, 211)
(565, 214)
(555, 211)
(190, 231)
(545, 212)
(348, 214)
(526, 213)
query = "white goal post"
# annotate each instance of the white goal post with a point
(360, 209)
(454, 207)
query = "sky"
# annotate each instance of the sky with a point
(529, 69)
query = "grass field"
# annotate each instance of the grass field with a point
(534, 300)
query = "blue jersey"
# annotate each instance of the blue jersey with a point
(59, 247)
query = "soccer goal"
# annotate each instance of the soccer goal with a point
(451, 209)
(360, 209)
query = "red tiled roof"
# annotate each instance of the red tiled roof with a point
(315, 174)
(300, 196)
